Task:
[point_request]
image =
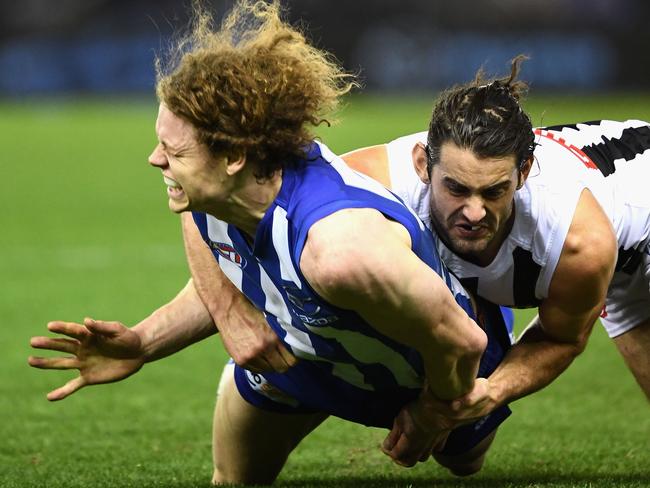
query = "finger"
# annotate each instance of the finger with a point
(289, 359)
(53, 363)
(277, 360)
(55, 344)
(66, 390)
(403, 457)
(391, 439)
(102, 327)
(71, 329)
(404, 452)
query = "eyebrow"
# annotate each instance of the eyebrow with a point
(497, 186)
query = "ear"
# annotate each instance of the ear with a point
(524, 172)
(235, 163)
(419, 156)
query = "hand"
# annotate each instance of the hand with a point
(472, 406)
(253, 345)
(416, 433)
(422, 426)
(103, 352)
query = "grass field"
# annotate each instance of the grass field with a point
(86, 231)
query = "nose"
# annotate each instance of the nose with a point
(474, 210)
(157, 158)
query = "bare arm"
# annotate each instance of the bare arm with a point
(576, 296)
(399, 295)
(175, 325)
(566, 317)
(371, 161)
(243, 328)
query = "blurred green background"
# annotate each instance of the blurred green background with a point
(86, 231)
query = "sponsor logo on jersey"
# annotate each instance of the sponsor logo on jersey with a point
(306, 309)
(228, 252)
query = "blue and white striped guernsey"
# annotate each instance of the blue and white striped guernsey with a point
(346, 367)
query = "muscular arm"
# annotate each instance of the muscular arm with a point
(175, 325)
(576, 297)
(399, 295)
(242, 328)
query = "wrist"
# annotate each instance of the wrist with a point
(145, 339)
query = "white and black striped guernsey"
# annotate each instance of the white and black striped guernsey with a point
(610, 158)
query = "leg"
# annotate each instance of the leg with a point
(469, 462)
(251, 445)
(634, 346)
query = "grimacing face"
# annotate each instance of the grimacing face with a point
(194, 178)
(472, 201)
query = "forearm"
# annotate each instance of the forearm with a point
(531, 364)
(222, 299)
(176, 325)
(451, 372)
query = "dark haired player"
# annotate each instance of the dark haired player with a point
(556, 218)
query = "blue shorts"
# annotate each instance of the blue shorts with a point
(306, 389)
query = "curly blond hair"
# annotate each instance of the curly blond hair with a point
(255, 87)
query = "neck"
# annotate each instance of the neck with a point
(246, 205)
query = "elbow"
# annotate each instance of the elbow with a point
(478, 342)
(471, 345)
(580, 344)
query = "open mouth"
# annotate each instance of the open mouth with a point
(471, 231)
(174, 188)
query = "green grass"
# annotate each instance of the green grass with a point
(86, 231)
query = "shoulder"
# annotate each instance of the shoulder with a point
(371, 161)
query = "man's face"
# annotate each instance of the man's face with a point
(194, 178)
(472, 201)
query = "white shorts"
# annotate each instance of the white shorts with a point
(628, 299)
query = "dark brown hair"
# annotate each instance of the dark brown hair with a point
(253, 87)
(484, 116)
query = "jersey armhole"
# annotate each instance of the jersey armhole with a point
(560, 221)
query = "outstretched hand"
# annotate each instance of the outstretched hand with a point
(103, 352)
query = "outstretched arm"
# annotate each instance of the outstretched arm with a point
(105, 352)
(243, 329)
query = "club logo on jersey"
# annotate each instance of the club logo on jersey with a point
(228, 252)
(306, 309)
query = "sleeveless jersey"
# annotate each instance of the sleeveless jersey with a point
(609, 158)
(346, 367)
